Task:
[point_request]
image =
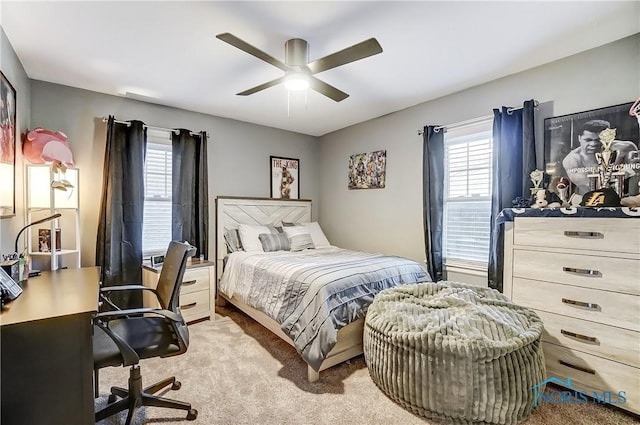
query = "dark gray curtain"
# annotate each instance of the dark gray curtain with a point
(119, 244)
(190, 206)
(514, 158)
(433, 198)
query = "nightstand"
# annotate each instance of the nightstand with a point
(197, 294)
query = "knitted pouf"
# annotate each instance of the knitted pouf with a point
(454, 352)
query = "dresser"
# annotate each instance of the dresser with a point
(197, 294)
(582, 277)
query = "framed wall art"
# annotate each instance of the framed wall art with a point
(285, 177)
(7, 147)
(572, 141)
(368, 170)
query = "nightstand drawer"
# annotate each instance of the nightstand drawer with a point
(194, 280)
(613, 308)
(612, 234)
(590, 373)
(617, 344)
(606, 273)
(194, 305)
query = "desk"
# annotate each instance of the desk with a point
(46, 355)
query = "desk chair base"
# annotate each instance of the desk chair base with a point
(136, 396)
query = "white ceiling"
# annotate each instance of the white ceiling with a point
(167, 53)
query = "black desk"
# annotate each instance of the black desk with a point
(46, 356)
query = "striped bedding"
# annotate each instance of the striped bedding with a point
(314, 293)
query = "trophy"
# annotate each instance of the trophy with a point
(606, 160)
(536, 179)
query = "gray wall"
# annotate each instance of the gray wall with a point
(390, 220)
(13, 70)
(238, 151)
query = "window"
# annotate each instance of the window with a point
(156, 229)
(467, 194)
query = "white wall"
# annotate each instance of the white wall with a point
(238, 151)
(13, 70)
(390, 220)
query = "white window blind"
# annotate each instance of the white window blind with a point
(467, 194)
(156, 229)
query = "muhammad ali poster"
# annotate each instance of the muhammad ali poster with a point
(285, 177)
(572, 141)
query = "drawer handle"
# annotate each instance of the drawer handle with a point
(189, 282)
(188, 306)
(578, 336)
(580, 368)
(585, 272)
(584, 235)
(588, 306)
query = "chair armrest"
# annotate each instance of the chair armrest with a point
(129, 356)
(126, 288)
(110, 315)
(105, 292)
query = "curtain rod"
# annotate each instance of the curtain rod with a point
(173, 130)
(473, 120)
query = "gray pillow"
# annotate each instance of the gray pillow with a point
(232, 240)
(299, 238)
(274, 242)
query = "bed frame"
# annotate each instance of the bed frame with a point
(233, 211)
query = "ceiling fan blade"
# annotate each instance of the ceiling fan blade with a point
(254, 51)
(262, 87)
(326, 89)
(356, 52)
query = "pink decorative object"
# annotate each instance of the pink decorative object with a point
(44, 146)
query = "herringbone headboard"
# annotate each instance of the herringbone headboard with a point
(232, 211)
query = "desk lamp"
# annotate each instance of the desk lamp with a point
(15, 259)
(44, 220)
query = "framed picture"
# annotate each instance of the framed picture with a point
(7, 146)
(367, 170)
(285, 177)
(571, 142)
(44, 240)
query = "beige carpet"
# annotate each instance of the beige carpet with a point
(236, 372)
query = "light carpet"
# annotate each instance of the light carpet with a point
(236, 372)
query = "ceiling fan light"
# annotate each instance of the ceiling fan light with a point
(297, 82)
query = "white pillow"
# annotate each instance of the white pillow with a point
(317, 235)
(250, 236)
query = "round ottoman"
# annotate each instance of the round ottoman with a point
(455, 352)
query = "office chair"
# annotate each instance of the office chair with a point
(123, 337)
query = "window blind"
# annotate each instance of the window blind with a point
(467, 196)
(156, 229)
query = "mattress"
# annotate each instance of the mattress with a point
(314, 293)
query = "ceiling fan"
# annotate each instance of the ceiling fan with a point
(297, 68)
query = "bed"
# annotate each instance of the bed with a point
(314, 299)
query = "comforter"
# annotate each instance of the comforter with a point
(314, 293)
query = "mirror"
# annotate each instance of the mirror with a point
(7, 148)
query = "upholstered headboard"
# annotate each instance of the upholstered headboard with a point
(232, 211)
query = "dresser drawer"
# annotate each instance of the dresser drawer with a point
(194, 280)
(612, 308)
(590, 373)
(617, 344)
(194, 305)
(607, 273)
(611, 234)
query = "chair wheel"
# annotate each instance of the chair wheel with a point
(176, 386)
(192, 415)
(112, 398)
